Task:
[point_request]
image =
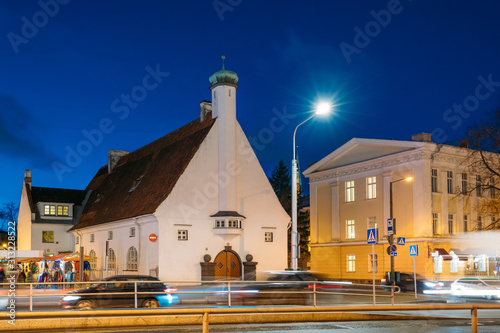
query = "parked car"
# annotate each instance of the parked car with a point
(476, 287)
(407, 283)
(153, 294)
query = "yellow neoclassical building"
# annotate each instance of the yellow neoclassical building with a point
(350, 192)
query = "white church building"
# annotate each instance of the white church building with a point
(192, 205)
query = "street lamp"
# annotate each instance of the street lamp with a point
(321, 109)
(390, 238)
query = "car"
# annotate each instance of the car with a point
(281, 288)
(407, 283)
(118, 292)
(488, 288)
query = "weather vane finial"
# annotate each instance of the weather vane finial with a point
(223, 57)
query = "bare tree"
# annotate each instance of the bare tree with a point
(8, 214)
(483, 160)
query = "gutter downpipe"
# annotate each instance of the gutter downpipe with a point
(82, 255)
(140, 250)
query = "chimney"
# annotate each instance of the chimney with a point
(27, 177)
(205, 110)
(422, 137)
(113, 158)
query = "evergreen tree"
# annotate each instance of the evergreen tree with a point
(280, 181)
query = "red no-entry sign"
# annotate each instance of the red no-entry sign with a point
(153, 237)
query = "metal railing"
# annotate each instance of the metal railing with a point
(221, 292)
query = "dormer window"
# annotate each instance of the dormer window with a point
(63, 210)
(220, 223)
(227, 224)
(50, 210)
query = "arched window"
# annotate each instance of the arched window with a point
(93, 262)
(111, 259)
(132, 259)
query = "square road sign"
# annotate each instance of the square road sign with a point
(413, 250)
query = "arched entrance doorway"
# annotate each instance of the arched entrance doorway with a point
(227, 265)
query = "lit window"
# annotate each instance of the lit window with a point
(466, 223)
(268, 237)
(371, 187)
(132, 262)
(438, 264)
(110, 235)
(351, 234)
(351, 263)
(450, 224)
(372, 222)
(111, 259)
(349, 191)
(372, 262)
(434, 180)
(91, 238)
(50, 210)
(449, 181)
(435, 217)
(63, 210)
(132, 232)
(93, 261)
(454, 264)
(47, 236)
(182, 235)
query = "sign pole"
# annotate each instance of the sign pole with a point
(415, 277)
(373, 270)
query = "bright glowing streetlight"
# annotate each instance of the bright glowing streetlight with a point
(321, 109)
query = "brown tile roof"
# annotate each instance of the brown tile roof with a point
(56, 195)
(154, 169)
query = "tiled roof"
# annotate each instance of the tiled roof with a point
(154, 169)
(57, 195)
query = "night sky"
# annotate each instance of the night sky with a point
(81, 77)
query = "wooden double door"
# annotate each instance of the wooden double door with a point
(227, 266)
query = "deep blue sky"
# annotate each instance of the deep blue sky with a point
(63, 78)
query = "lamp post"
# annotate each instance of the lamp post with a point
(390, 238)
(323, 108)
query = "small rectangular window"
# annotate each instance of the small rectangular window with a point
(371, 187)
(351, 231)
(434, 180)
(349, 191)
(77, 239)
(47, 236)
(50, 210)
(466, 223)
(351, 263)
(92, 238)
(268, 237)
(220, 224)
(449, 181)
(372, 222)
(63, 210)
(479, 223)
(110, 235)
(372, 262)
(132, 232)
(182, 235)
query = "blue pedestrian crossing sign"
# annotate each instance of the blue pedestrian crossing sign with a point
(401, 240)
(372, 236)
(413, 250)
